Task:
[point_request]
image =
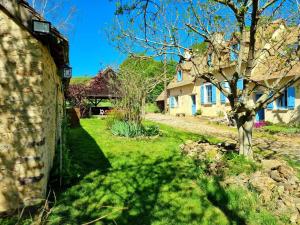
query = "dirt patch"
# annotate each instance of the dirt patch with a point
(275, 145)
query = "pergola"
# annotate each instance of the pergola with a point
(103, 87)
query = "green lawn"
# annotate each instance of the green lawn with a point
(145, 181)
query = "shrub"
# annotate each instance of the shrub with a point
(129, 129)
(126, 129)
(151, 130)
(199, 112)
(113, 116)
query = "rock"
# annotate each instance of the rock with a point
(274, 174)
(294, 218)
(263, 184)
(188, 142)
(285, 171)
(280, 190)
(268, 165)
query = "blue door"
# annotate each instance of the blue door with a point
(193, 104)
(260, 115)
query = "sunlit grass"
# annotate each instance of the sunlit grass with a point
(146, 181)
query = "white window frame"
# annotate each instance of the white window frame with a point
(206, 93)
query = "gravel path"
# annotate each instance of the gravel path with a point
(277, 145)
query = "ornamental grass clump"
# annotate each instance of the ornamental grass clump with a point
(131, 130)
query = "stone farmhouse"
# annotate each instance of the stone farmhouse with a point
(188, 94)
(34, 73)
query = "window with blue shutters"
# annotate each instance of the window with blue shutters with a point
(208, 94)
(208, 89)
(171, 102)
(282, 102)
(174, 101)
(179, 75)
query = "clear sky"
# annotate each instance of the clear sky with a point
(90, 50)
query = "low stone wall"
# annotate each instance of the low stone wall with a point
(31, 110)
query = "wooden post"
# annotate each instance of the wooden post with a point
(166, 110)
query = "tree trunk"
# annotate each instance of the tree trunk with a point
(245, 130)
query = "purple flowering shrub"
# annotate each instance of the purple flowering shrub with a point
(260, 124)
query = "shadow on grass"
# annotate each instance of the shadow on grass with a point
(84, 156)
(140, 188)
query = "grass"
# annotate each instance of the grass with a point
(146, 181)
(282, 128)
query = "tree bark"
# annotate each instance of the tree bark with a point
(245, 130)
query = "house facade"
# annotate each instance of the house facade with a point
(31, 103)
(188, 95)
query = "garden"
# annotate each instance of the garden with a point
(147, 180)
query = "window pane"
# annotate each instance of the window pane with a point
(209, 93)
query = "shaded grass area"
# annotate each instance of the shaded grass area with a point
(146, 181)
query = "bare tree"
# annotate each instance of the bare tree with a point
(60, 12)
(263, 36)
(137, 77)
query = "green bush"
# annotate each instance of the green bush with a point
(151, 130)
(129, 129)
(152, 108)
(199, 112)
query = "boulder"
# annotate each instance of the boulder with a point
(271, 164)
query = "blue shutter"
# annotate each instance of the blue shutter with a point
(270, 105)
(171, 101)
(291, 97)
(179, 75)
(214, 94)
(222, 96)
(240, 84)
(202, 94)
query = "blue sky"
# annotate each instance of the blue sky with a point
(90, 50)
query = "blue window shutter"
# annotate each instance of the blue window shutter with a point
(223, 98)
(179, 75)
(214, 95)
(171, 101)
(270, 105)
(202, 94)
(291, 97)
(240, 84)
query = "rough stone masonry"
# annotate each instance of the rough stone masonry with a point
(31, 110)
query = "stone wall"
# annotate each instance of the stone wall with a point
(31, 110)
